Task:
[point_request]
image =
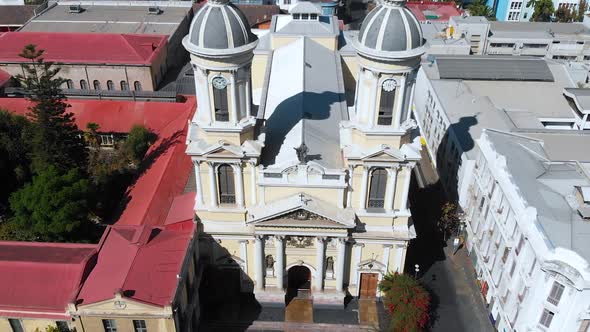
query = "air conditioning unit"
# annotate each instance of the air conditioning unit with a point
(154, 10)
(76, 9)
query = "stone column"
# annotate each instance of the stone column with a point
(399, 105)
(399, 258)
(259, 261)
(407, 177)
(340, 264)
(248, 96)
(280, 262)
(349, 191)
(253, 182)
(320, 245)
(244, 254)
(212, 184)
(358, 247)
(386, 251)
(234, 95)
(374, 102)
(239, 184)
(392, 172)
(363, 195)
(199, 199)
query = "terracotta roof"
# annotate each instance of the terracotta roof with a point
(40, 279)
(255, 14)
(91, 48)
(16, 15)
(443, 10)
(141, 262)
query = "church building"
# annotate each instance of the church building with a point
(302, 148)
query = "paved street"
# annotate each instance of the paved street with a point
(457, 302)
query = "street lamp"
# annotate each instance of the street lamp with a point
(417, 269)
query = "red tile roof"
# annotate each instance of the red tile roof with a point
(40, 279)
(444, 10)
(90, 48)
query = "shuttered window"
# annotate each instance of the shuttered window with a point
(546, 318)
(227, 193)
(377, 188)
(556, 293)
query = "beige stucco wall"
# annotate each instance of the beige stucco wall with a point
(94, 324)
(371, 141)
(259, 63)
(29, 325)
(328, 195)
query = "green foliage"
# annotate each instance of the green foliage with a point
(479, 8)
(55, 139)
(582, 7)
(543, 10)
(137, 143)
(53, 207)
(49, 328)
(565, 15)
(407, 302)
(14, 152)
(449, 220)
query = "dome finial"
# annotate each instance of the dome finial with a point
(398, 3)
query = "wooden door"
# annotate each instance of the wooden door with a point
(369, 285)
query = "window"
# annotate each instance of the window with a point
(296, 16)
(226, 185)
(109, 325)
(70, 84)
(512, 268)
(139, 326)
(62, 326)
(377, 188)
(520, 244)
(124, 86)
(287, 2)
(107, 140)
(546, 318)
(584, 327)
(110, 85)
(305, 16)
(386, 103)
(556, 293)
(83, 85)
(137, 86)
(313, 16)
(16, 325)
(220, 104)
(96, 85)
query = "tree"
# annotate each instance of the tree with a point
(479, 8)
(53, 207)
(449, 220)
(14, 151)
(543, 10)
(565, 15)
(582, 7)
(137, 143)
(407, 302)
(55, 139)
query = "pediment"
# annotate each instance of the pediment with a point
(301, 218)
(119, 304)
(371, 264)
(225, 151)
(385, 153)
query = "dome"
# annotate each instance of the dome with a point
(390, 27)
(219, 26)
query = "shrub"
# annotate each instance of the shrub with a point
(407, 302)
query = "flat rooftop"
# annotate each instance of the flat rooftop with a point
(538, 30)
(110, 19)
(433, 11)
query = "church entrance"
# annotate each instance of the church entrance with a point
(299, 282)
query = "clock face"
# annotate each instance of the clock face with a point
(219, 82)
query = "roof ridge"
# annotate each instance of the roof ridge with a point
(125, 38)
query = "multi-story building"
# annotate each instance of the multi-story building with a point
(301, 149)
(521, 10)
(528, 228)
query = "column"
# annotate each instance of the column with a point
(340, 264)
(400, 101)
(253, 182)
(399, 258)
(407, 177)
(199, 199)
(212, 184)
(349, 191)
(320, 247)
(234, 95)
(358, 248)
(363, 195)
(244, 254)
(259, 261)
(373, 109)
(248, 96)
(386, 251)
(280, 260)
(239, 184)
(392, 172)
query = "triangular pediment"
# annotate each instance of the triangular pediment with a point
(385, 153)
(301, 218)
(224, 151)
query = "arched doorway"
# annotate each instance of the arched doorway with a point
(299, 282)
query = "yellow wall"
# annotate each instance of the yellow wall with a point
(94, 324)
(29, 325)
(259, 63)
(333, 196)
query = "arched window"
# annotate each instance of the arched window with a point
(227, 193)
(124, 86)
(137, 86)
(110, 85)
(220, 103)
(386, 102)
(83, 85)
(377, 188)
(70, 84)
(96, 85)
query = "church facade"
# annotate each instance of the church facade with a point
(302, 148)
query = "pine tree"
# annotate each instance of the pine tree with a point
(543, 10)
(55, 139)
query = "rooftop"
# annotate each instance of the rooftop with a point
(433, 11)
(255, 14)
(113, 18)
(40, 279)
(91, 48)
(539, 30)
(16, 15)
(286, 25)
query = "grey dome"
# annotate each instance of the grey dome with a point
(220, 25)
(390, 27)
